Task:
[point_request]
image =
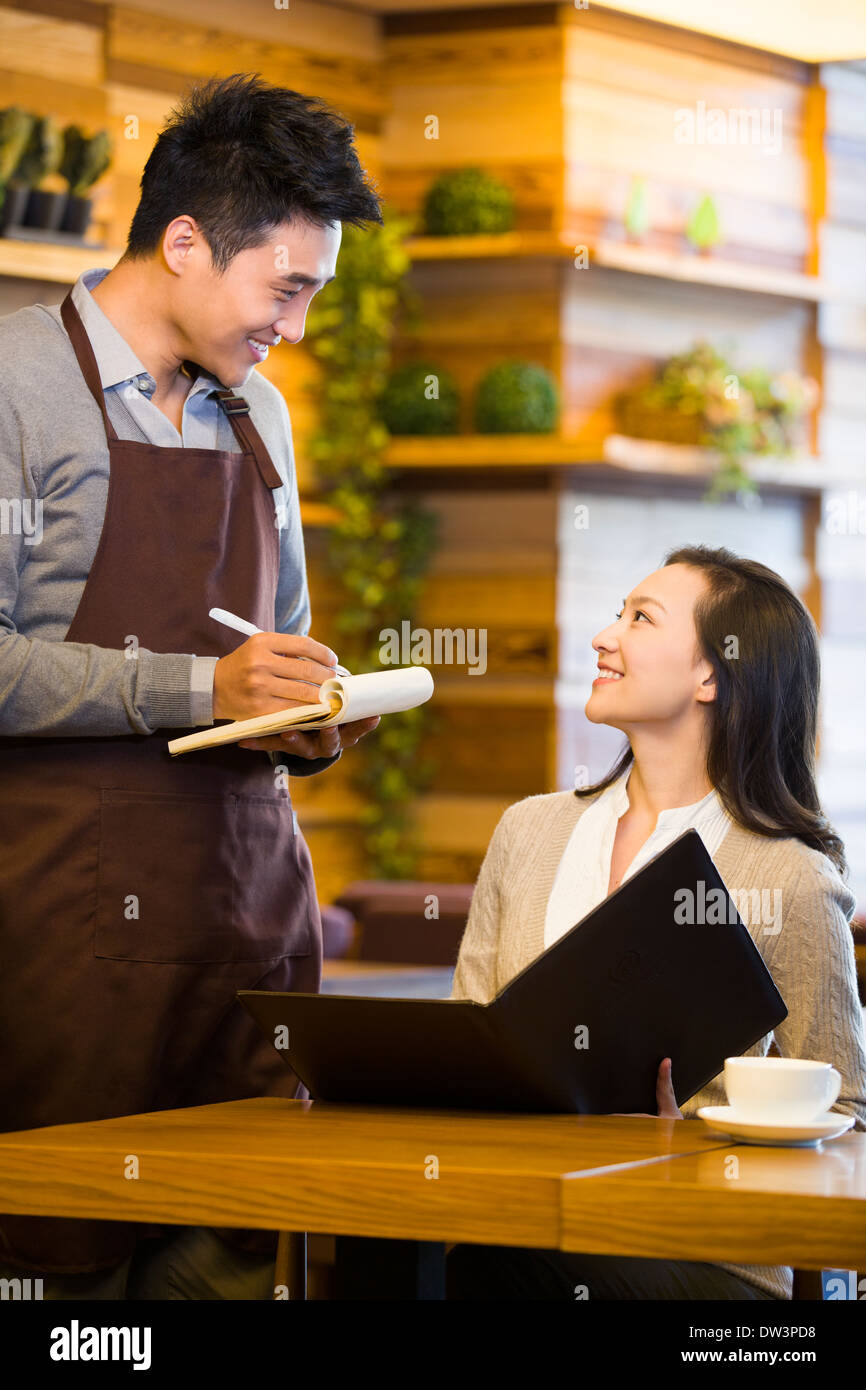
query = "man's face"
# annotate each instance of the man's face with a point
(264, 295)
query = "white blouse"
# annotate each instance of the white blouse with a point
(584, 869)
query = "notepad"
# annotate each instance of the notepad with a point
(342, 699)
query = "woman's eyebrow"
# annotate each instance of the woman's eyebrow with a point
(644, 598)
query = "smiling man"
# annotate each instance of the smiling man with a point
(138, 893)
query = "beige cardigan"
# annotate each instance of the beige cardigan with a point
(811, 959)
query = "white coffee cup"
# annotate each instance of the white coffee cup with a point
(780, 1089)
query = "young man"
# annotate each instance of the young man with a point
(150, 470)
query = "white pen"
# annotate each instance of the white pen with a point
(249, 629)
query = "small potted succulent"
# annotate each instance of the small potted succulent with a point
(38, 168)
(16, 126)
(637, 218)
(468, 202)
(84, 161)
(516, 398)
(704, 228)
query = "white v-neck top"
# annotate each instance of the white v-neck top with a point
(584, 869)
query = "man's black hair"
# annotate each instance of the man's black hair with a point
(241, 156)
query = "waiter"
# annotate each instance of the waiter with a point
(146, 475)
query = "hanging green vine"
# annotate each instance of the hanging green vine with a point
(380, 548)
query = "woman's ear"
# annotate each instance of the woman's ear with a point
(707, 689)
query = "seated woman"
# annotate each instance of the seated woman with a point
(711, 670)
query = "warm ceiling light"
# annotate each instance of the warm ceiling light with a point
(814, 30)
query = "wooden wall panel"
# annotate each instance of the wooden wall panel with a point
(51, 50)
(496, 96)
(621, 95)
(176, 51)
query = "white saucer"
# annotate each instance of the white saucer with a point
(722, 1119)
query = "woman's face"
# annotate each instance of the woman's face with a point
(651, 670)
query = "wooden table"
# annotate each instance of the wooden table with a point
(743, 1204)
(607, 1183)
(303, 1166)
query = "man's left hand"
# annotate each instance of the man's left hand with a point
(667, 1101)
(321, 743)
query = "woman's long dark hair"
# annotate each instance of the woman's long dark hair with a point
(763, 647)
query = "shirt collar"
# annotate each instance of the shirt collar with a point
(115, 359)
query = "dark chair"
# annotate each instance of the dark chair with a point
(407, 922)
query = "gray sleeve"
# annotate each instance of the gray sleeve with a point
(813, 966)
(201, 686)
(69, 688)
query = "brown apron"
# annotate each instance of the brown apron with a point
(139, 892)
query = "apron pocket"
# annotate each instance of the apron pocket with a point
(200, 878)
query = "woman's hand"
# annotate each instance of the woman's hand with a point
(667, 1101)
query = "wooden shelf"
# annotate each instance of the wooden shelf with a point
(34, 260)
(489, 451)
(614, 456)
(633, 259)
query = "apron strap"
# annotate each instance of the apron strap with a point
(238, 411)
(86, 358)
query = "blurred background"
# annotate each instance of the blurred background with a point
(618, 304)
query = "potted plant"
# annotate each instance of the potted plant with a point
(84, 161)
(636, 218)
(516, 398)
(468, 202)
(408, 406)
(703, 228)
(38, 168)
(698, 398)
(16, 126)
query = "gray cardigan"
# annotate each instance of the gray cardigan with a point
(811, 958)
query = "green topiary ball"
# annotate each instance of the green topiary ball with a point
(516, 398)
(467, 202)
(420, 398)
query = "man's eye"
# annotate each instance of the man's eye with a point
(287, 294)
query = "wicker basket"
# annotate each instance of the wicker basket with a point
(668, 426)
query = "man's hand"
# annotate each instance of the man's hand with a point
(268, 672)
(273, 671)
(321, 743)
(667, 1101)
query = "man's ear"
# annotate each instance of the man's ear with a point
(706, 693)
